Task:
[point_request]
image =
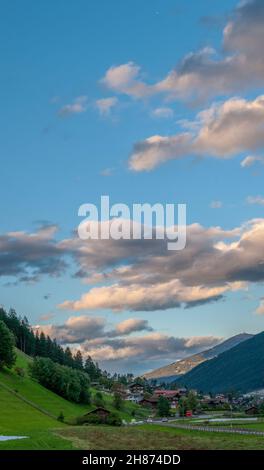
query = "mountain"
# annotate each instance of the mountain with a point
(240, 368)
(172, 371)
(226, 345)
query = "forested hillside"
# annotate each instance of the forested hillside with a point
(240, 368)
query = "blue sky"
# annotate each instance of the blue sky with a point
(53, 160)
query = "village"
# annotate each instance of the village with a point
(163, 403)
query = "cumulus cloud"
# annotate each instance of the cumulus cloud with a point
(118, 348)
(125, 79)
(223, 131)
(245, 31)
(239, 64)
(105, 105)
(155, 150)
(140, 353)
(135, 297)
(78, 106)
(76, 329)
(131, 325)
(27, 256)
(84, 327)
(142, 275)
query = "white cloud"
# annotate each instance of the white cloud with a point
(78, 106)
(221, 131)
(76, 329)
(125, 79)
(131, 325)
(139, 352)
(156, 150)
(135, 297)
(119, 347)
(105, 105)
(143, 276)
(82, 328)
(28, 256)
(205, 73)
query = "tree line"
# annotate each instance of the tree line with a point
(37, 344)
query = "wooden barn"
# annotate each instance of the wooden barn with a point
(99, 412)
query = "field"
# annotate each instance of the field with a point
(151, 437)
(243, 424)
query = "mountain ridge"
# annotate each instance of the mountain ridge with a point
(183, 366)
(238, 369)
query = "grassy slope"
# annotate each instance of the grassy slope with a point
(20, 418)
(39, 395)
(51, 402)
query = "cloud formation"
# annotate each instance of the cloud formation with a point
(131, 325)
(221, 131)
(78, 106)
(105, 105)
(125, 79)
(239, 64)
(161, 296)
(27, 256)
(141, 353)
(116, 346)
(142, 275)
(84, 327)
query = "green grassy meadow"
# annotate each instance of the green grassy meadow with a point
(28, 408)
